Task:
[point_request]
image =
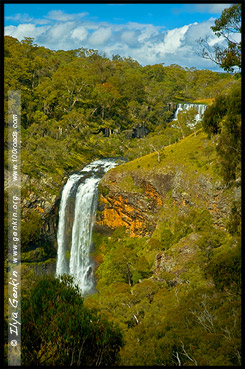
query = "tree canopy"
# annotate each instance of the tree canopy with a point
(228, 27)
(223, 118)
(57, 329)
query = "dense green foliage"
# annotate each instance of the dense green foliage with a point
(189, 314)
(58, 330)
(223, 117)
(69, 97)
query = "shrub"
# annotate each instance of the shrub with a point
(58, 330)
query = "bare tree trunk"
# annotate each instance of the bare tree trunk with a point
(128, 273)
(158, 152)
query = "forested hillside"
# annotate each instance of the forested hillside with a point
(69, 97)
(69, 100)
(167, 235)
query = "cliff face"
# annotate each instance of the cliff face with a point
(140, 194)
(41, 196)
(135, 208)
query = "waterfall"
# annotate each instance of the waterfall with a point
(200, 110)
(73, 256)
(61, 266)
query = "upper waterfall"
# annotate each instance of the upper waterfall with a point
(199, 107)
(74, 244)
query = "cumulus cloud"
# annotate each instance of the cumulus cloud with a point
(146, 43)
(25, 30)
(58, 36)
(130, 38)
(100, 36)
(173, 39)
(148, 32)
(199, 30)
(80, 33)
(59, 31)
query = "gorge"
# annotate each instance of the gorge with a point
(78, 210)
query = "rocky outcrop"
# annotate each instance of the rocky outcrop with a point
(42, 197)
(134, 209)
(177, 260)
(126, 210)
(39, 194)
(181, 264)
(137, 198)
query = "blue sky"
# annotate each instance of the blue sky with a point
(149, 33)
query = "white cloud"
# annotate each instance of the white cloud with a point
(202, 8)
(80, 33)
(148, 32)
(25, 30)
(24, 18)
(146, 43)
(20, 18)
(199, 30)
(100, 36)
(211, 8)
(59, 31)
(129, 38)
(173, 39)
(58, 15)
(58, 36)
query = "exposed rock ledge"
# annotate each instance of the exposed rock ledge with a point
(134, 200)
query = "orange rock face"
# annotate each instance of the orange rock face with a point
(119, 213)
(152, 193)
(135, 205)
(133, 211)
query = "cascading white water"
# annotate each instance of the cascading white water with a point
(80, 265)
(61, 265)
(83, 186)
(200, 110)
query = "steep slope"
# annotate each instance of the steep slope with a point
(168, 257)
(164, 185)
